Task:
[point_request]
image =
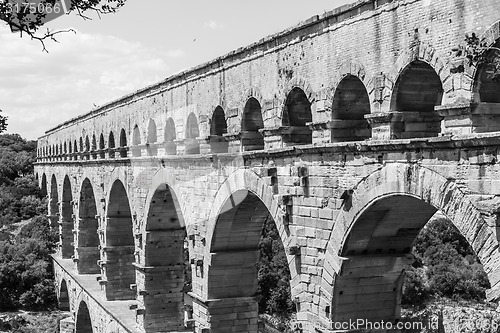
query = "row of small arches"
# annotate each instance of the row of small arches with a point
(418, 89)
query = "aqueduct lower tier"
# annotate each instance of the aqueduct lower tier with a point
(346, 214)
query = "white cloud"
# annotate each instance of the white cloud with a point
(40, 90)
(214, 25)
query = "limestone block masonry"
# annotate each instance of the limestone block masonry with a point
(349, 131)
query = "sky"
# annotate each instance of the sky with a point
(143, 43)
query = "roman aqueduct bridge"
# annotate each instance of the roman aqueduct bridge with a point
(349, 131)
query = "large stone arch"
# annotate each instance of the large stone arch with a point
(118, 253)
(241, 208)
(245, 179)
(87, 239)
(67, 221)
(163, 266)
(161, 177)
(427, 186)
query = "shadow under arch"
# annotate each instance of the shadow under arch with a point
(417, 91)
(83, 321)
(166, 271)
(63, 301)
(87, 235)
(67, 222)
(43, 185)
(351, 103)
(118, 252)
(241, 208)
(385, 213)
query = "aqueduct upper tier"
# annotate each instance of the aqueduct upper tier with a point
(347, 131)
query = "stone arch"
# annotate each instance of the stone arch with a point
(152, 138)
(489, 37)
(167, 261)
(152, 132)
(297, 112)
(415, 186)
(94, 143)
(169, 137)
(243, 179)
(218, 127)
(67, 223)
(43, 185)
(136, 141)
(351, 102)
(118, 253)
(83, 319)
(251, 124)
(111, 145)
(54, 199)
(192, 133)
(241, 208)
(123, 143)
(102, 146)
(63, 300)
(87, 236)
(484, 89)
(421, 52)
(417, 90)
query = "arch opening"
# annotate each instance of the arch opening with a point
(233, 282)
(123, 143)
(87, 147)
(487, 82)
(118, 253)
(251, 124)
(102, 147)
(54, 200)
(169, 137)
(94, 147)
(168, 277)
(218, 127)
(44, 186)
(75, 150)
(152, 138)
(297, 114)
(192, 146)
(63, 301)
(350, 104)
(67, 223)
(83, 320)
(111, 145)
(417, 91)
(87, 236)
(376, 254)
(136, 142)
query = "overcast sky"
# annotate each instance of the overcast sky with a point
(145, 42)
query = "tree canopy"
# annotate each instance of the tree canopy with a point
(3, 123)
(28, 16)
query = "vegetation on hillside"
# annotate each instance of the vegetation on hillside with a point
(445, 266)
(26, 278)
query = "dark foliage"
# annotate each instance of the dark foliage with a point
(445, 266)
(274, 276)
(26, 278)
